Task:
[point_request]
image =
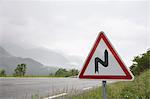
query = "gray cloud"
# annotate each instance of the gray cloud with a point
(70, 28)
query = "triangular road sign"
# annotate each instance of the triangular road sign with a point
(104, 63)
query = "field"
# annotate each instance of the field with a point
(137, 89)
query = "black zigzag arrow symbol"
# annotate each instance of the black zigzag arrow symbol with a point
(104, 63)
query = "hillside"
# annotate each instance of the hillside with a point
(137, 89)
(43, 55)
(9, 63)
(4, 53)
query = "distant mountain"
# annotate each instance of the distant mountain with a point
(4, 53)
(10, 62)
(43, 55)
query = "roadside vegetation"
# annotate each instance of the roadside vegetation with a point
(20, 71)
(137, 89)
(141, 63)
(66, 73)
(2, 73)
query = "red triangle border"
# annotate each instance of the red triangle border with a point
(126, 77)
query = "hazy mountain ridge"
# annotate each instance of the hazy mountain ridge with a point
(4, 53)
(9, 63)
(46, 56)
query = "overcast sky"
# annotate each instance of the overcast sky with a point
(71, 27)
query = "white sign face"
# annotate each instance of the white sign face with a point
(103, 62)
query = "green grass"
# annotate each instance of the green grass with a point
(137, 89)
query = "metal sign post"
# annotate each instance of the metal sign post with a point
(104, 90)
(104, 63)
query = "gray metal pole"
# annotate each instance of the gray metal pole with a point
(104, 89)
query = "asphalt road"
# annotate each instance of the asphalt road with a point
(25, 88)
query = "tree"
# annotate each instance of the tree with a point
(2, 72)
(66, 73)
(61, 72)
(73, 72)
(20, 70)
(141, 63)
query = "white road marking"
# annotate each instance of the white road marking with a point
(55, 96)
(86, 88)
